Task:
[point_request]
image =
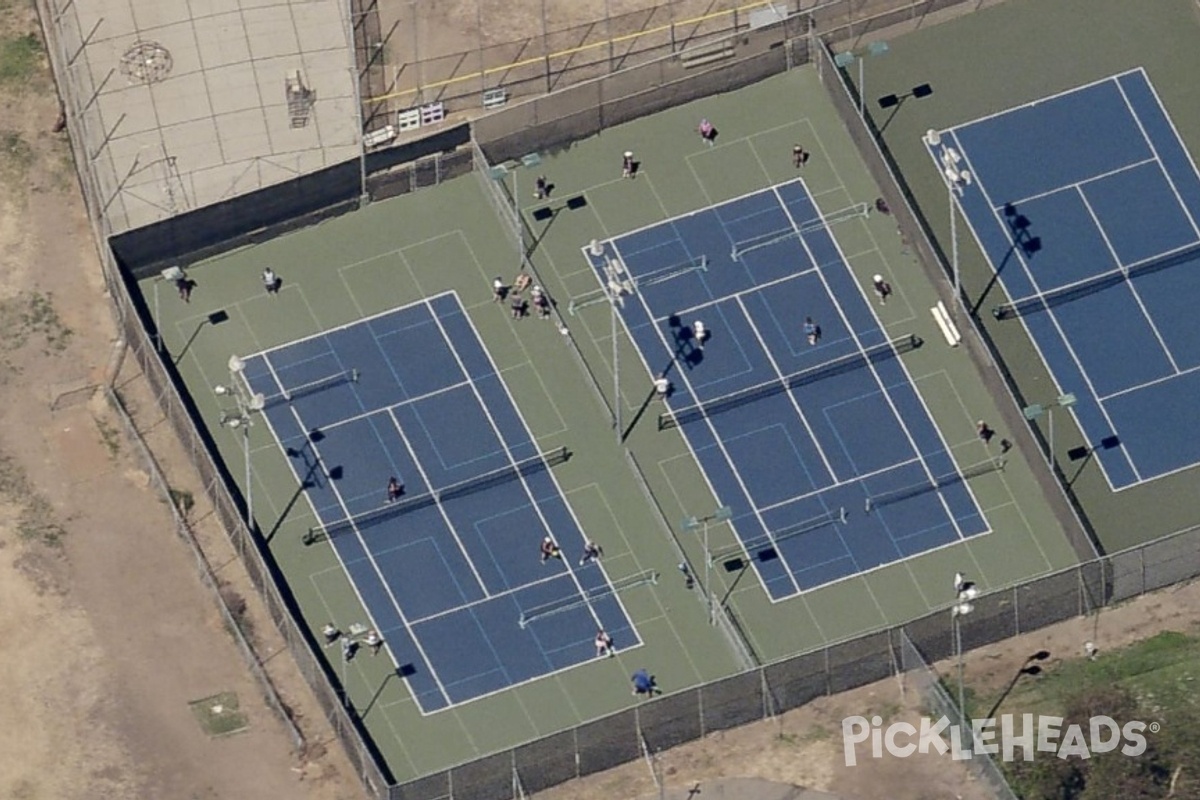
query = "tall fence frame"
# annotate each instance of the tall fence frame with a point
(760, 691)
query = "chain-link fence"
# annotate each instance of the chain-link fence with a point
(919, 675)
(771, 689)
(758, 692)
(231, 513)
(561, 48)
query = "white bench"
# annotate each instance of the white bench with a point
(381, 136)
(946, 324)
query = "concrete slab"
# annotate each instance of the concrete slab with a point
(217, 123)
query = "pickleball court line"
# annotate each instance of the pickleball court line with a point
(410, 401)
(1154, 149)
(832, 473)
(1129, 282)
(437, 501)
(731, 295)
(1032, 103)
(610, 589)
(398, 311)
(367, 553)
(1080, 183)
(1016, 251)
(720, 442)
(837, 304)
(512, 461)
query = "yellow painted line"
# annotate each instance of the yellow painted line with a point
(569, 52)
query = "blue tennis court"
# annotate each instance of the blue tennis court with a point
(450, 573)
(825, 453)
(1086, 204)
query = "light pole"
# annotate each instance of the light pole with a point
(1036, 410)
(956, 181)
(844, 60)
(171, 274)
(241, 420)
(965, 592)
(690, 524)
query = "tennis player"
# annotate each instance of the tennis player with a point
(643, 683)
(604, 644)
(394, 490)
(550, 550)
(883, 289)
(591, 552)
(812, 331)
(521, 282)
(699, 333)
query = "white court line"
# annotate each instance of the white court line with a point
(672, 219)
(642, 356)
(1147, 384)
(720, 442)
(557, 486)
(1111, 78)
(466, 554)
(410, 401)
(483, 600)
(1075, 185)
(370, 556)
(1167, 116)
(860, 478)
(875, 372)
(1128, 280)
(1016, 251)
(508, 453)
(348, 325)
(1166, 172)
(791, 397)
(1033, 340)
(734, 295)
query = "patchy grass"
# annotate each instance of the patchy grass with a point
(16, 156)
(184, 501)
(220, 715)
(32, 315)
(37, 520)
(37, 523)
(110, 437)
(20, 60)
(1161, 672)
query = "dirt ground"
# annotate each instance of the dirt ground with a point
(109, 632)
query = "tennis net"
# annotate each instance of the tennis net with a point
(935, 484)
(871, 355)
(740, 249)
(312, 387)
(407, 505)
(763, 545)
(1097, 283)
(668, 273)
(586, 597)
